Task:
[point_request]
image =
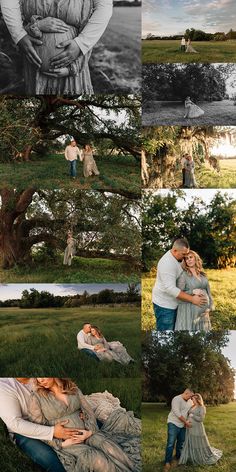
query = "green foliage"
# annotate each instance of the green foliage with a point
(198, 359)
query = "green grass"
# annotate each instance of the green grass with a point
(169, 51)
(223, 289)
(42, 342)
(207, 177)
(52, 171)
(82, 270)
(172, 113)
(220, 428)
(127, 390)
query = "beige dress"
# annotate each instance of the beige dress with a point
(115, 351)
(69, 251)
(90, 166)
(74, 13)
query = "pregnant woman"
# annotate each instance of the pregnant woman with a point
(109, 351)
(191, 109)
(68, 30)
(70, 250)
(60, 399)
(193, 281)
(196, 448)
(89, 164)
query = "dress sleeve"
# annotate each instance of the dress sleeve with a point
(96, 25)
(199, 415)
(106, 344)
(12, 16)
(35, 411)
(181, 282)
(88, 414)
(211, 303)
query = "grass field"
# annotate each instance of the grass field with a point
(223, 289)
(116, 173)
(220, 428)
(42, 342)
(127, 390)
(172, 113)
(116, 62)
(82, 270)
(207, 177)
(169, 51)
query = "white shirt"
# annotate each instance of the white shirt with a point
(14, 401)
(88, 37)
(165, 291)
(72, 153)
(179, 407)
(183, 42)
(183, 162)
(83, 341)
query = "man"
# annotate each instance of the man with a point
(71, 154)
(177, 424)
(84, 342)
(183, 163)
(14, 400)
(165, 294)
(183, 44)
(12, 17)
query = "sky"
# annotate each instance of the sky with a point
(205, 194)
(168, 17)
(230, 352)
(14, 291)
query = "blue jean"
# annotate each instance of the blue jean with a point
(40, 453)
(90, 353)
(73, 168)
(165, 318)
(175, 435)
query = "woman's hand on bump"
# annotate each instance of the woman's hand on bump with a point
(52, 25)
(70, 53)
(59, 72)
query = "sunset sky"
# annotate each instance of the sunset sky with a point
(168, 17)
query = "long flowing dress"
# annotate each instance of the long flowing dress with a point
(189, 180)
(69, 251)
(196, 448)
(89, 164)
(74, 13)
(115, 351)
(99, 453)
(193, 110)
(190, 48)
(192, 317)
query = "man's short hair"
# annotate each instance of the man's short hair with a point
(188, 390)
(87, 323)
(180, 243)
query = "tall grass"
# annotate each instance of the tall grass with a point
(223, 288)
(220, 428)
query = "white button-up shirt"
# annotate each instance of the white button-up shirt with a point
(88, 37)
(179, 407)
(72, 153)
(14, 401)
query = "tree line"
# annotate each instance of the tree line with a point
(209, 227)
(43, 299)
(175, 361)
(196, 35)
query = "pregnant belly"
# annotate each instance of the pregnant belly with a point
(74, 420)
(49, 47)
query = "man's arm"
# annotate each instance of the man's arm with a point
(96, 25)
(175, 407)
(82, 344)
(66, 153)
(169, 283)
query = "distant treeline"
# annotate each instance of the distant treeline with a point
(197, 35)
(34, 299)
(125, 3)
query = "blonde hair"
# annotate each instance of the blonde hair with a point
(67, 386)
(199, 399)
(198, 263)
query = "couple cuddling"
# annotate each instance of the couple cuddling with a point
(56, 38)
(91, 340)
(85, 155)
(55, 425)
(186, 431)
(181, 294)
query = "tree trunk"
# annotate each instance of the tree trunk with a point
(27, 152)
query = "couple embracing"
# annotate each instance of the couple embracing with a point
(53, 423)
(187, 434)
(181, 294)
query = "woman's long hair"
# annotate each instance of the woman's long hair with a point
(198, 264)
(199, 399)
(98, 331)
(67, 386)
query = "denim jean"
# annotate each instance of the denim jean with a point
(175, 435)
(40, 453)
(165, 318)
(73, 168)
(90, 353)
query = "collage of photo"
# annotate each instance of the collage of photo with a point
(117, 235)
